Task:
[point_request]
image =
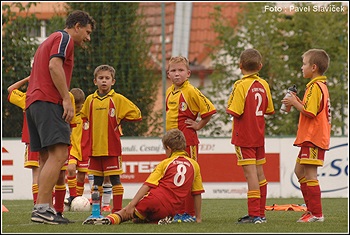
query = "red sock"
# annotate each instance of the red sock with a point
(263, 193)
(253, 202)
(118, 192)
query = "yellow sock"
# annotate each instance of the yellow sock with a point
(114, 218)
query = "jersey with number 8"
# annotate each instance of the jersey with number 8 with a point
(174, 177)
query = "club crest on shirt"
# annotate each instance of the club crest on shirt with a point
(183, 106)
(111, 112)
(86, 125)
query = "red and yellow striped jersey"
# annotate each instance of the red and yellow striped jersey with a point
(174, 177)
(102, 117)
(76, 138)
(249, 101)
(183, 103)
(18, 98)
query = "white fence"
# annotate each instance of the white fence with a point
(222, 178)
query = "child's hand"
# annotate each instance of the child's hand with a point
(192, 124)
(291, 100)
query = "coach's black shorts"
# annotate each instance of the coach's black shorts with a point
(46, 125)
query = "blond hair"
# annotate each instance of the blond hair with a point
(177, 60)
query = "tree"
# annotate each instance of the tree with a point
(120, 40)
(17, 52)
(281, 39)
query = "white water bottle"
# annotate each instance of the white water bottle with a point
(286, 108)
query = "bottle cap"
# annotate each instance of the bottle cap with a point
(293, 88)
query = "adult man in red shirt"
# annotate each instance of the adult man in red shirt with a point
(49, 108)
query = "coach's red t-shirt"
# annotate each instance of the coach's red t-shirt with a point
(41, 86)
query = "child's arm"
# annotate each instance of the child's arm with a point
(297, 103)
(198, 207)
(17, 84)
(130, 208)
(197, 125)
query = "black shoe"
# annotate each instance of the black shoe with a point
(249, 219)
(47, 217)
(61, 215)
(68, 200)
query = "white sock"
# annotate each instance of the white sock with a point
(91, 181)
(107, 194)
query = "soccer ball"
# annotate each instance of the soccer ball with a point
(80, 204)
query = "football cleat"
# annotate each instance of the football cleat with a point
(48, 217)
(308, 217)
(186, 218)
(106, 208)
(166, 220)
(249, 220)
(97, 221)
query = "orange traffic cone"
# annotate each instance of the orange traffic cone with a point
(4, 209)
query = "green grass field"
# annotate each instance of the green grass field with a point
(219, 216)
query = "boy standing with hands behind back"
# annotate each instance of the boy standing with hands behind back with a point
(249, 102)
(102, 114)
(314, 130)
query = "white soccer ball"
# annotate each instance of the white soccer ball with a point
(80, 204)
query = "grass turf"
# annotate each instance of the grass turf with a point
(219, 216)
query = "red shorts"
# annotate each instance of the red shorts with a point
(250, 156)
(31, 159)
(81, 166)
(105, 165)
(151, 208)
(311, 155)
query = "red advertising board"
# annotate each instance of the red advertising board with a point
(218, 167)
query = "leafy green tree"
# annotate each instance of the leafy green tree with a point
(17, 52)
(281, 39)
(120, 40)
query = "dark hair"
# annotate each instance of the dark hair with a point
(81, 17)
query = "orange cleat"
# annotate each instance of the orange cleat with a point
(106, 208)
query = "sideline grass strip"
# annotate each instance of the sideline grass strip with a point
(219, 216)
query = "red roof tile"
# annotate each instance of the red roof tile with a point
(201, 31)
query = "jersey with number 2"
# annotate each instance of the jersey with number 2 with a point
(249, 101)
